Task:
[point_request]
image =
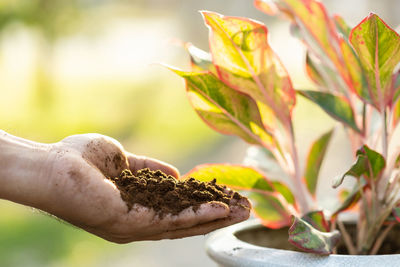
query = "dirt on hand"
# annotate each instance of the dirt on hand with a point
(167, 195)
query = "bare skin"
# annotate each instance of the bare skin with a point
(68, 179)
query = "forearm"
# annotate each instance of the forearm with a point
(22, 170)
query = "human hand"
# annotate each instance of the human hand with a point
(78, 192)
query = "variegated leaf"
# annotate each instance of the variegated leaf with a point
(234, 176)
(304, 236)
(378, 47)
(314, 161)
(245, 61)
(317, 220)
(224, 109)
(337, 107)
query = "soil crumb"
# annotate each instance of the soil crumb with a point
(165, 194)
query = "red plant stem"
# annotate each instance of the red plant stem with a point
(300, 191)
(384, 135)
(373, 230)
(380, 239)
(347, 239)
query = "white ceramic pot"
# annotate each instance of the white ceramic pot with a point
(227, 250)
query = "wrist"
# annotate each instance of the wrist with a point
(23, 165)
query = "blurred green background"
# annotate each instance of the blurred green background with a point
(78, 66)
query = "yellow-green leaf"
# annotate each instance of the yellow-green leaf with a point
(224, 109)
(285, 191)
(335, 106)
(319, 33)
(270, 210)
(378, 47)
(271, 200)
(314, 73)
(245, 61)
(314, 160)
(233, 176)
(396, 112)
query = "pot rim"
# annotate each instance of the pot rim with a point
(225, 248)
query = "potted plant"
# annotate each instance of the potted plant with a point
(241, 88)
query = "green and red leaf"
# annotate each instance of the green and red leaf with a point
(270, 208)
(304, 236)
(376, 162)
(317, 220)
(314, 161)
(319, 33)
(343, 195)
(369, 163)
(272, 201)
(396, 113)
(378, 47)
(351, 198)
(224, 109)
(245, 61)
(358, 168)
(233, 176)
(337, 107)
(342, 26)
(285, 191)
(314, 73)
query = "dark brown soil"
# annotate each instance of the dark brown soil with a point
(165, 194)
(278, 238)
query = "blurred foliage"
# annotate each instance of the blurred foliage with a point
(52, 17)
(29, 239)
(146, 115)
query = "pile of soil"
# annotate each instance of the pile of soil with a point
(165, 194)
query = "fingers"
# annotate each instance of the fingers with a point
(152, 224)
(207, 212)
(237, 214)
(142, 222)
(207, 218)
(140, 162)
(239, 211)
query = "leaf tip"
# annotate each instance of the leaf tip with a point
(172, 68)
(338, 181)
(208, 14)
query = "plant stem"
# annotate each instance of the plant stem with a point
(365, 205)
(300, 191)
(374, 200)
(364, 121)
(347, 239)
(374, 229)
(380, 239)
(384, 135)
